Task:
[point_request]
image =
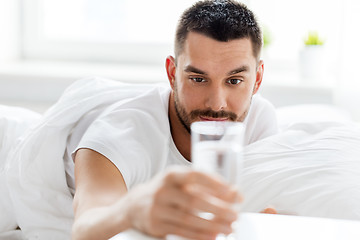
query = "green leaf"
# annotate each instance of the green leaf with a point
(313, 39)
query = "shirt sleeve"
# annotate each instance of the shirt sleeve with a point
(132, 137)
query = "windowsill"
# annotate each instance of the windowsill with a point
(74, 70)
(42, 82)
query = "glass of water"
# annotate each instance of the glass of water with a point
(217, 148)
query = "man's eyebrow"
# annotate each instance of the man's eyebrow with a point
(193, 69)
(239, 70)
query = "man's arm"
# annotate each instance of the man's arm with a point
(99, 185)
(165, 205)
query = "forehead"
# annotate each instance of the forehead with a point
(202, 50)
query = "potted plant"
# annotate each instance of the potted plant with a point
(266, 37)
(267, 40)
(311, 57)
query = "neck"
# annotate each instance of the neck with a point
(180, 135)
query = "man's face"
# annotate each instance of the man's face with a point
(215, 81)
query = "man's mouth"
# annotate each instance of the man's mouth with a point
(209, 115)
(203, 118)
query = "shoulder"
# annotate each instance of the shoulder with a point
(261, 108)
(154, 99)
(260, 104)
(261, 121)
(145, 113)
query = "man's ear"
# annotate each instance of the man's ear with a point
(259, 76)
(170, 70)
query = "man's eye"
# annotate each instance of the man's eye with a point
(234, 81)
(197, 79)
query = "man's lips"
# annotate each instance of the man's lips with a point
(202, 118)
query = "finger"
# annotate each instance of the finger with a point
(193, 223)
(232, 195)
(216, 186)
(199, 201)
(220, 209)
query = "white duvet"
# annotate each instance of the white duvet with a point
(13, 123)
(308, 169)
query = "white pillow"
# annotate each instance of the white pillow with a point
(13, 122)
(310, 169)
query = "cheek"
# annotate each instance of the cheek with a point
(188, 97)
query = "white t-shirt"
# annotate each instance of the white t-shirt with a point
(135, 135)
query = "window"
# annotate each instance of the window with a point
(142, 32)
(112, 30)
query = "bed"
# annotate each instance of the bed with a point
(311, 168)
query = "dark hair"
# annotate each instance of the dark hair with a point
(222, 20)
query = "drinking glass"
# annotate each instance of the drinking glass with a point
(217, 148)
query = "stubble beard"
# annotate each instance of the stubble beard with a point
(187, 118)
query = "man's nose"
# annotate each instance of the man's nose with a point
(216, 98)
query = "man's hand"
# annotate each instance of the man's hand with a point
(171, 203)
(269, 210)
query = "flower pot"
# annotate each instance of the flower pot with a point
(311, 60)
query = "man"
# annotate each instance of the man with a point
(121, 163)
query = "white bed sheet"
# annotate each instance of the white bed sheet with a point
(255, 226)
